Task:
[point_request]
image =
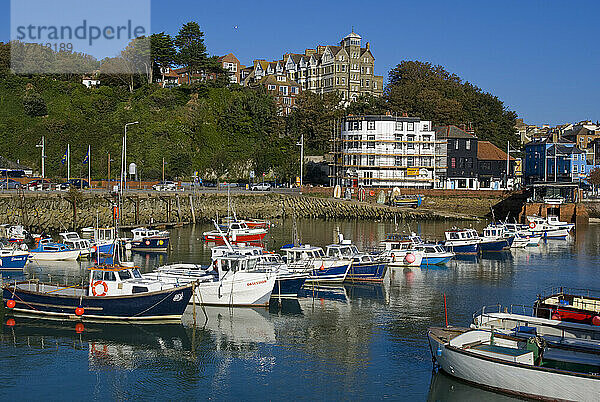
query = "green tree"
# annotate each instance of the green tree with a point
(34, 105)
(192, 51)
(163, 52)
(367, 105)
(430, 92)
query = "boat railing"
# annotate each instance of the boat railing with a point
(560, 290)
(520, 309)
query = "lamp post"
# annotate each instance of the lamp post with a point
(43, 146)
(124, 158)
(301, 145)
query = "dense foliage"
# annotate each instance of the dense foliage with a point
(432, 93)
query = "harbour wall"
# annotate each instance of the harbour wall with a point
(52, 212)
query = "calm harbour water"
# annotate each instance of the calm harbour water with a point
(350, 342)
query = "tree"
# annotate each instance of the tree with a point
(432, 93)
(34, 105)
(367, 105)
(594, 177)
(192, 51)
(163, 52)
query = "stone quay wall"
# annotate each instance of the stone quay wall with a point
(52, 212)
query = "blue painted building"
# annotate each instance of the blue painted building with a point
(554, 162)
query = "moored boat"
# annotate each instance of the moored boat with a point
(12, 258)
(103, 239)
(462, 241)
(114, 293)
(572, 305)
(400, 251)
(235, 231)
(322, 268)
(364, 267)
(150, 240)
(49, 251)
(493, 239)
(524, 368)
(74, 242)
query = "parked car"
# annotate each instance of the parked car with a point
(77, 183)
(260, 187)
(165, 186)
(9, 184)
(39, 184)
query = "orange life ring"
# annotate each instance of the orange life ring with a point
(99, 283)
(372, 193)
(532, 225)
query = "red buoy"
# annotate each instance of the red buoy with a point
(556, 316)
(10, 322)
(79, 311)
(79, 327)
(10, 303)
(410, 258)
(596, 320)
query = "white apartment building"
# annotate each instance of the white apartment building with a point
(384, 151)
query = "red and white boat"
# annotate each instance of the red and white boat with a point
(236, 231)
(251, 223)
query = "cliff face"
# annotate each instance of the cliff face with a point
(57, 212)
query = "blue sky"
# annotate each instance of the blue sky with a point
(539, 57)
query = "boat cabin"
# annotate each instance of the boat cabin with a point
(240, 248)
(402, 245)
(69, 236)
(99, 234)
(302, 253)
(493, 232)
(431, 248)
(120, 280)
(344, 250)
(46, 246)
(144, 233)
(464, 234)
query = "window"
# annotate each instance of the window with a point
(109, 276)
(468, 144)
(398, 161)
(426, 161)
(469, 163)
(371, 125)
(283, 90)
(453, 163)
(461, 163)
(410, 139)
(368, 84)
(343, 80)
(425, 127)
(575, 157)
(456, 144)
(371, 141)
(281, 78)
(575, 168)
(343, 67)
(425, 145)
(399, 126)
(410, 126)
(287, 101)
(371, 160)
(410, 161)
(294, 90)
(354, 125)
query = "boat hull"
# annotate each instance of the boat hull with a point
(245, 290)
(288, 286)
(240, 238)
(462, 248)
(512, 378)
(335, 273)
(494, 245)
(69, 255)
(157, 245)
(436, 260)
(14, 261)
(366, 272)
(154, 306)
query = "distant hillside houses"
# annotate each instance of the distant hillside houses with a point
(347, 69)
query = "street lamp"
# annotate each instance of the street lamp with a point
(43, 146)
(301, 145)
(124, 158)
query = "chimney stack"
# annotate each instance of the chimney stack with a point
(368, 45)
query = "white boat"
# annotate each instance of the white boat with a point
(232, 280)
(523, 368)
(74, 242)
(322, 269)
(48, 251)
(102, 238)
(364, 267)
(523, 236)
(400, 253)
(462, 241)
(493, 238)
(235, 231)
(540, 226)
(553, 220)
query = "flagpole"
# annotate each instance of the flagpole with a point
(90, 166)
(68, 162)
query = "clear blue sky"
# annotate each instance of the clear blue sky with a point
(540, 57)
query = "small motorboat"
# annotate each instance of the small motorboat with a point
(399, 251)
(50, 251)
(12, 257)
(540, 226)
(462, 241)
(364, 267)
(235, 231)
(74, 242)
(149, 240)
(231, 280)
(434, 254)
(323, 269)
(571, 305)
(493, 239)
(103, 239)
(527, 368)
(114, 293)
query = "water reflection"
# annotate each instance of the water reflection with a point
(446, 388)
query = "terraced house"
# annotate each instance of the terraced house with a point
(348, 69)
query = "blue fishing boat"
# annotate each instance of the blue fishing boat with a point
(116, 294)
(321, 268)
(47, 250)
(364, 267)
(149, 240)
(493, 239)
(462, 241)
(102, 240)
(434, 254)
(12, 258)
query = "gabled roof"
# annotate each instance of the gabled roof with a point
(272, 79)
(10, 165)
(451, 132)
(562, 149)
(489, 152)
